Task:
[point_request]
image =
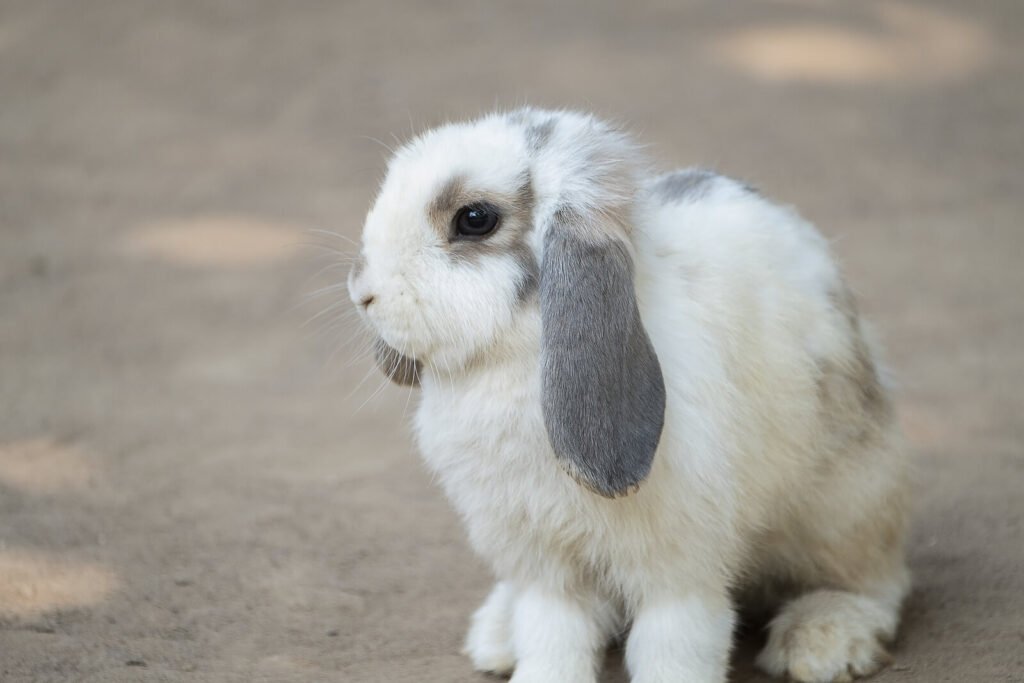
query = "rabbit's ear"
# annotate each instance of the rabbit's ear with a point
(603, 393)
(398, 368)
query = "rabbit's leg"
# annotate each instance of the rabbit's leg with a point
(843, 550)
(681, 638)
(489, 642)
(558, 637)
(837, 630)
(827, 636)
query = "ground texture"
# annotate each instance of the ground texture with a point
(196, 487)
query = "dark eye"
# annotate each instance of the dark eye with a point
(476, 220)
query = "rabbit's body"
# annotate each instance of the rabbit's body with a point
(777, 472)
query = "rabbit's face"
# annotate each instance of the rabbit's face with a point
(447, 258)
(530, 212)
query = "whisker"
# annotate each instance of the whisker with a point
(339, 346)
(330, 233)
(361, 382)
(324, 291)
(383, 384)
(382, 144)
(330, 308)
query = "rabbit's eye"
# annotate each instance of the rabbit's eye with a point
(476, 220)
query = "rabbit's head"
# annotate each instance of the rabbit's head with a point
(517, 227)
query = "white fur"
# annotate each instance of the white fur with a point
(681, 639)
(557, 636)
(489, 643)
(749, 484)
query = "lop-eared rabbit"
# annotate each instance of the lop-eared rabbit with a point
(649, 398)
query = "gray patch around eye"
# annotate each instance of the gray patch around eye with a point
(511, 238)
(602, 391)
(524, 196)
(521, 251)
(529, 279)
(446, 203)
(396, 367)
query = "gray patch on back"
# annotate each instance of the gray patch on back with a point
(688, 184)
(398, 368)
(603, 394)
(692, 184)
(854, 403)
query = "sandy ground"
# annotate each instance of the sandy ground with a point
(194, 486)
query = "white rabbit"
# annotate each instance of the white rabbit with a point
(648, 397)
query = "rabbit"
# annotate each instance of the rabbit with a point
(650, 398)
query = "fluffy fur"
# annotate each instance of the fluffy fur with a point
(778, 475)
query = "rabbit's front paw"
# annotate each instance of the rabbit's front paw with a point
(569, 673)
(489, 642)
(488, 654)
(828, 637)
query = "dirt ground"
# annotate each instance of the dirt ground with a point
(196, 484)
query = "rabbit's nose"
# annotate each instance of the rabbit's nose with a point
(359, 290)
(360, 295)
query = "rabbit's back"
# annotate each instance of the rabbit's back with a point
(759, 335)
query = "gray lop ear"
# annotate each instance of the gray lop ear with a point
(602, 390)
(398, 368)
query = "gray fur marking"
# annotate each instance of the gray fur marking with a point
(603, 395)
(447, 201)
(520, 249)
(398, 368)
(693, 184)
(686, 185)
(512, 237)
(530, 277)
(538, 135)
(519, 116)
(854, 403)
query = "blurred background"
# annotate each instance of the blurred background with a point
(201, 476)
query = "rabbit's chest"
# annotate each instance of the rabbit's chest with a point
(496, 466)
